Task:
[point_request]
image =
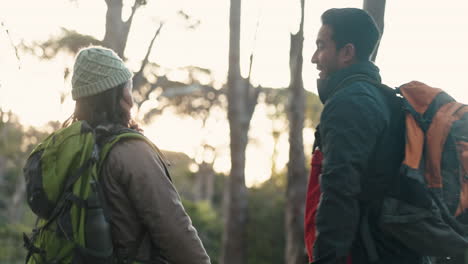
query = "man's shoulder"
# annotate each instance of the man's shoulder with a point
(362, 87)
(360, 91)
(357, 99)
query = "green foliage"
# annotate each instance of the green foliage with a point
(266, 238)
(208, 224)
(16, 142)
(313, 109)
(279, 98)
(11, 241)
(68, 41)
(218, 195)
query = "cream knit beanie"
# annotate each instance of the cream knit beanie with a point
(96, 70)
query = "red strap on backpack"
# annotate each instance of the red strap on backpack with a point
(312, 202)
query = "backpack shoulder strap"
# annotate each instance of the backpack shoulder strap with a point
(419, 95)
(430, 115)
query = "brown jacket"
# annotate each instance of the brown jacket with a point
(145, 208)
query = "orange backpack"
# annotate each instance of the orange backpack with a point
(427, 209)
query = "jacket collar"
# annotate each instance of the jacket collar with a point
(328, 87)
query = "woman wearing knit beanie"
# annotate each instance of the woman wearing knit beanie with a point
(147, 216)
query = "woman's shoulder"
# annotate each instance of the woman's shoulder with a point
(131, 149)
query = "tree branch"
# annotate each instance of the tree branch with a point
(253, 99)
(135, 6)
(148, 52)
(139, 79)
(11, 43)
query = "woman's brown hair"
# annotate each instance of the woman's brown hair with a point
(102, 108)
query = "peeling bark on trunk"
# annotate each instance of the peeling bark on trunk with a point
(376, 8)
(297, 172)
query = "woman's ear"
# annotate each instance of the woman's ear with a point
(127, 99)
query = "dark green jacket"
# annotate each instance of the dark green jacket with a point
(362, 140)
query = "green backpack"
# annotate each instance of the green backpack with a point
(63, 190)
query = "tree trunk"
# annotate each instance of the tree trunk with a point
(15, 210)
(204, 182)
(297, 172)
(117, 30)
(242, 99)
(376, 8)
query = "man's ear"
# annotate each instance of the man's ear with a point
(348, 54)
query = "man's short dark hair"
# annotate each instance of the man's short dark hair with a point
(355, 26)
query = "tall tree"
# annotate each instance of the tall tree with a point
(376, 8)
(117, 30)
(297, 172)
(242, 99)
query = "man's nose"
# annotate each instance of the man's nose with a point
(314, 58)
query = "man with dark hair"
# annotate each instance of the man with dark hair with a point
(350, 25)
(362, 142)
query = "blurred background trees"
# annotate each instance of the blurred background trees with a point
(16, 142)
(238, 224)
